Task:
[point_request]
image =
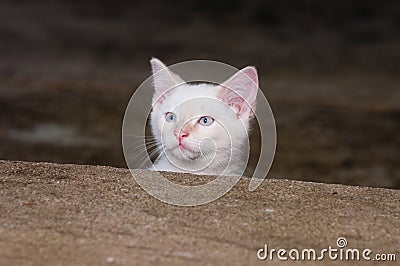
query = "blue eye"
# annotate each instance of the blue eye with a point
(206, 121)
(170, 117)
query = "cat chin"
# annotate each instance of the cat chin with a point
(184, 155)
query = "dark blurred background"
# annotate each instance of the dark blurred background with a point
(330, 69)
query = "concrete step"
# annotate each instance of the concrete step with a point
(95, 215)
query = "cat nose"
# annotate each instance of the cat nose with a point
(182, 134)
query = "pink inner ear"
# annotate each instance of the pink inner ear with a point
(251, 72)
(157, 65)
(234, 100)
(239, 105)
(240, 91)
(157, 68)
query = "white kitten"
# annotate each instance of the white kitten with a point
(202, 128)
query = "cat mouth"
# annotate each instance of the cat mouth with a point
(186, 152)
(184, 148)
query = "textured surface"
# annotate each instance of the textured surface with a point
(98, 215)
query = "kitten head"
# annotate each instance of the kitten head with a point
(193, 121)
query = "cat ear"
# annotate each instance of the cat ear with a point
(164, 79)
(240, 91)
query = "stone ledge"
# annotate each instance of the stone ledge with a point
(93, 215)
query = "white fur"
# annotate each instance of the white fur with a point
(231, 108)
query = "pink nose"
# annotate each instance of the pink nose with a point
(182, 134)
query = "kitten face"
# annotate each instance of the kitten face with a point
(196, 123)
(190, 122)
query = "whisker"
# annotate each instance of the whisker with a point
(141, 152)
(130, 145)
(151, 155)
(139, 136)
